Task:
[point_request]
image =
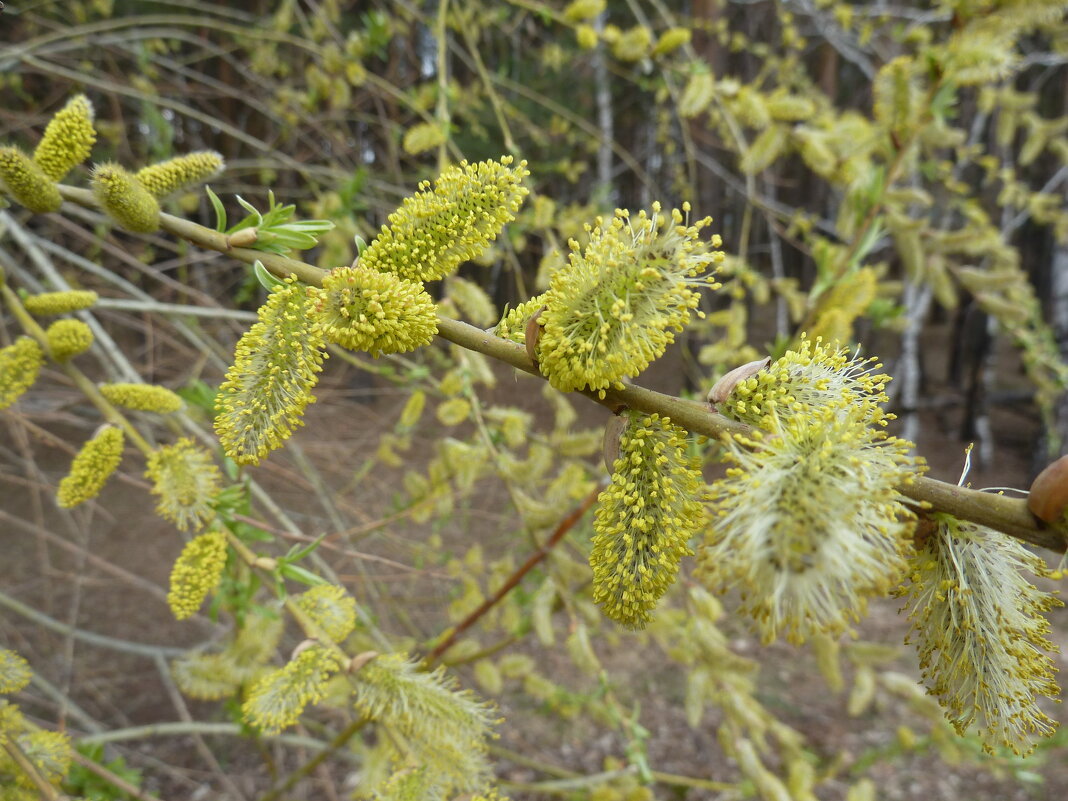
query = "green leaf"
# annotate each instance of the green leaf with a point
(296, 553)
(298, 573)
(220, 211)
(267, 280)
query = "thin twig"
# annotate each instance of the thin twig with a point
(1008, 515)
(114, 780)
(534, 559)
(100, 640)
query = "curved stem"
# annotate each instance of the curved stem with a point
(1008, 515)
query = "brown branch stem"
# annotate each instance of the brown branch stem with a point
(513, 580)
(1008, 515)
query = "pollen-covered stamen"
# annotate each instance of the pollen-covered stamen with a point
(809, 524)
(617, 305)
(196, 573)
(276, 366)
(813, 377)
(645, 519)
(450, 222)
(68, 139)
(362, 309)
(186, 479)
(981, 632)
(91, 468)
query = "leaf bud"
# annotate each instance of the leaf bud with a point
(1049, 492)
(722, 389)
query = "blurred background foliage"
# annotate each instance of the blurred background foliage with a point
(892, 174)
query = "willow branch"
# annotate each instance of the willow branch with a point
(1007, 515)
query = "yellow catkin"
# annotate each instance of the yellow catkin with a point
(513, 325)
(196, 573)
(125, 200)
(698, 93)
(423, 137)
(633, 44)
(447, 728)
(27, 183)
(169, 176)
(51, 303)
(331, 608)
(807, 379)
(15, 671)
(186, 479)
(142, 397)
(276, 366)
(618, 303)
(68, 140)
(20, 364)
(362, 309)
(450, 222)
(586, 36)
(808, 524)
(68, 338)
(580, 10)
(472, 301)
(981, 631)
(91, 468)
(50, 754)
(644, 520)
(277, 700)
(671, 40)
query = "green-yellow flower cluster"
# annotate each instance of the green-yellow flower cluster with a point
(645, 519)
(197, 571)
(186, 479)
(806, 380)
(277, 700)
(68, 338)
(809, 524)
(25, 181)
(142, 397)
(361, 309)
(20, 364)
(49, 752)
(981, 632)
(513, 325)
(50, 303)
(440, 227)
(445, 729)
(67, 141)
(618, 304)
(91, 468)
(211, 675)
(15, 671)
(331, 609)
(169, 176)
(276, 366)
(132, 200)
(124, 199)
